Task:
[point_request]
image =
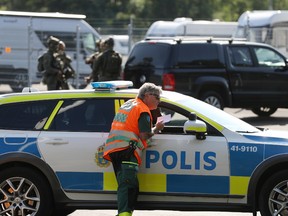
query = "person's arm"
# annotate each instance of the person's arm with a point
(96, 66)
(144, 124)
(47, 64)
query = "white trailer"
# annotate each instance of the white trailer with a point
(24, 38)
(189, 27)
(267, 26)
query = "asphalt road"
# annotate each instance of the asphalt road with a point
(278, 121)
(158, 213)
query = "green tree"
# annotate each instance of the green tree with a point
(114, 12)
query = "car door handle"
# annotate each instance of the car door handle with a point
(57, 142)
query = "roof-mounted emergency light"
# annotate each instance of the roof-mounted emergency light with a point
(111, 85)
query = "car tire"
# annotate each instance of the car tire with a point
(264, 111)
(213, 98)
(20, 80)
(24, 191)
(273, 196)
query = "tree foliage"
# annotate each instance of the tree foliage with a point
(114, 11)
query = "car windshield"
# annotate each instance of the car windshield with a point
(89, 42)
(211, 113)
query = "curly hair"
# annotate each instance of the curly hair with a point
(148, 88)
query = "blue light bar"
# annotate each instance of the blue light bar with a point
(112, 85)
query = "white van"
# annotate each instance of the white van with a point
(265, 26)
(188, 27)
(24, 38)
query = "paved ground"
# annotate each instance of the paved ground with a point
(157, 213)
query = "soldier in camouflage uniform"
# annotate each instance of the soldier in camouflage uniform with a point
(67, 69)
(52, 65)
(90, 60)
(107, 65)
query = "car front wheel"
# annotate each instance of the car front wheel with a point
(24, 192)
(274, 195)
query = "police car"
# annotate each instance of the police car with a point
(51, 148)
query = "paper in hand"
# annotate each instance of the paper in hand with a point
(164, 118)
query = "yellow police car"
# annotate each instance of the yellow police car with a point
(51, 148)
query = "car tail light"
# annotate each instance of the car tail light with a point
(168, 82)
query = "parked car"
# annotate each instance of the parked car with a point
(224, 73)
(51, 156)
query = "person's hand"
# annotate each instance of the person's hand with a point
(159, 126)
(87, 79)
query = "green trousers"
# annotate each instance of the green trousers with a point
(128, 187)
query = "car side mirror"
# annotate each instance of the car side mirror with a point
(195, 127)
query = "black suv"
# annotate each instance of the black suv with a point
(226, 73)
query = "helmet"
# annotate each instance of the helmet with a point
(62, 45)
(98, 42)
(109, 42)
(53, 41)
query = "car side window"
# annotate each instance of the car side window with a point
(178, 118)
(84, 115)
(268, 57)
(240, 56)
(197, 56)
(25, 115)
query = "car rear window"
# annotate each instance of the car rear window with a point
(197, 55)
(24, 115)
(149, 54)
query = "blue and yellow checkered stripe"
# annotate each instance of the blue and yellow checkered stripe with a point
(158, 183)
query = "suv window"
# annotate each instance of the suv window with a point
(197, 55)
(25, 115)
(149, 54)
(267, 57)
(91, 115)
(240, 56)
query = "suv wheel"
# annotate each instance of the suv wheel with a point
(24, 192)
(264, 111)
(213, 98)
(273, 196)
(20, 80)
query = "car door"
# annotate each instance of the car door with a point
(181, 166)
(70, 144)
(257, 75)
(275, 70)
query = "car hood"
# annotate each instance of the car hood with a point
(269, 136)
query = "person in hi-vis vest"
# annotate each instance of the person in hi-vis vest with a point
(129, 135)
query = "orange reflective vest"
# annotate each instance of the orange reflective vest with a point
(125, 129)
